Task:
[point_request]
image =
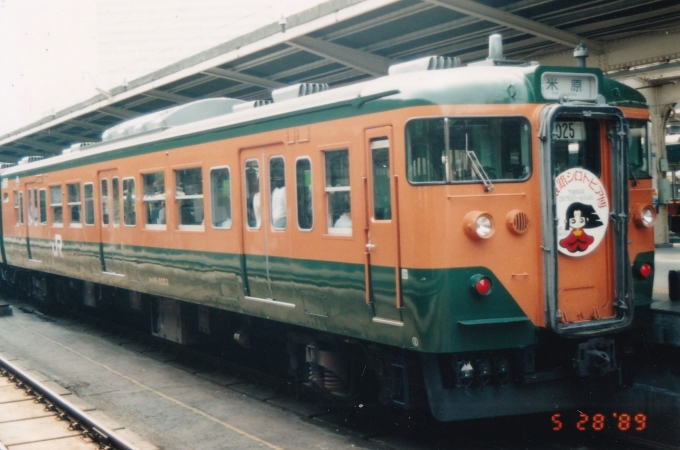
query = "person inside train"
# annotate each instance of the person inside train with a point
(345, 219)
(278, 203)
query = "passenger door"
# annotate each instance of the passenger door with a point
(110, 223)
(382, 228)
(265, 259)
(32, 219)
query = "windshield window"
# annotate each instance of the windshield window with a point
(576, 143)
(443, 150)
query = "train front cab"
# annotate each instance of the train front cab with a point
(593, 236)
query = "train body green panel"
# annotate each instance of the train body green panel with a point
(440, 313)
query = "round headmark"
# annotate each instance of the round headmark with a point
(582, 210)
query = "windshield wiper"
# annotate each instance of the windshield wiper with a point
(477, 167)
(632, 174)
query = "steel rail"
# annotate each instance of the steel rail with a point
(87, 423)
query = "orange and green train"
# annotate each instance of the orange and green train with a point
(475, 238)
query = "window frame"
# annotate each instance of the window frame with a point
(530, 161)
(329, 190)
(91, 203)
(184, 196)
(133, 203)
(115, 202)
(105, 203)
(71, 204)
(271, 192)
(246, 191)
(632, 173)
(311, 194)
(373, 148)
(42, 207)
(59, 224)
(212, 198)
(154, 198)
(19, 207)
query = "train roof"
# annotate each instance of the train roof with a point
(429, 81)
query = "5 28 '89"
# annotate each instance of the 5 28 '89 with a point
(622, 421)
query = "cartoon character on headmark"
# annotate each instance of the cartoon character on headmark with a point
(579, 217)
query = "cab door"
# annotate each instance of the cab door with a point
(109, 231)
(585, 226)
(383, 287)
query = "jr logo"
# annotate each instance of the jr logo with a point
(56, 245)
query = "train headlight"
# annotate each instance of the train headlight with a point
(478, 225)
(644, 216)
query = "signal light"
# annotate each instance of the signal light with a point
(645, 270)
(480, 285)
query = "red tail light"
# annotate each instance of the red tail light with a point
(645, 270)
(480, 285)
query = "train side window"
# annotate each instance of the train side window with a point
(115, 194)
(36, 210)
(189, 196)
(19, 207)
(303, 178)
(253, 204)
(105, 201)
(277, 186)
(32, 210)
(220, 198)
(30, 206)
(380, 157)
(638, 149)
(129, 200)
(56, 205)
(154, 199)
(43, 207)
(89, 203)
(5, 197)
(74, 203)
(337, 192)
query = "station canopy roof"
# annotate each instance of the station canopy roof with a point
(345, 41)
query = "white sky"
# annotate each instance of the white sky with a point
(55, 53)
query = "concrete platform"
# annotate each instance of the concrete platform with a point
(665, 327)
(164, 405)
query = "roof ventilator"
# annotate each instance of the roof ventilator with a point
(29, 159)
(298, 90)
(76, 147)
(172, 117)
(423, 64)
(496, 57)
(251, 105)
(6, 165)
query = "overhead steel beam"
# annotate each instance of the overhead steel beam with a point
(169, 96)
(87, 125)
(118, 112)
(518, 23)
(43, 146)
(243, 78)
(65, 136)
(356, 59)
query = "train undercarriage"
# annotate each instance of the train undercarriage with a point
(556, 374)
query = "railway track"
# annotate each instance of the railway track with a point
(34, 416)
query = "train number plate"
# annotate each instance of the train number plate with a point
(569, 131)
